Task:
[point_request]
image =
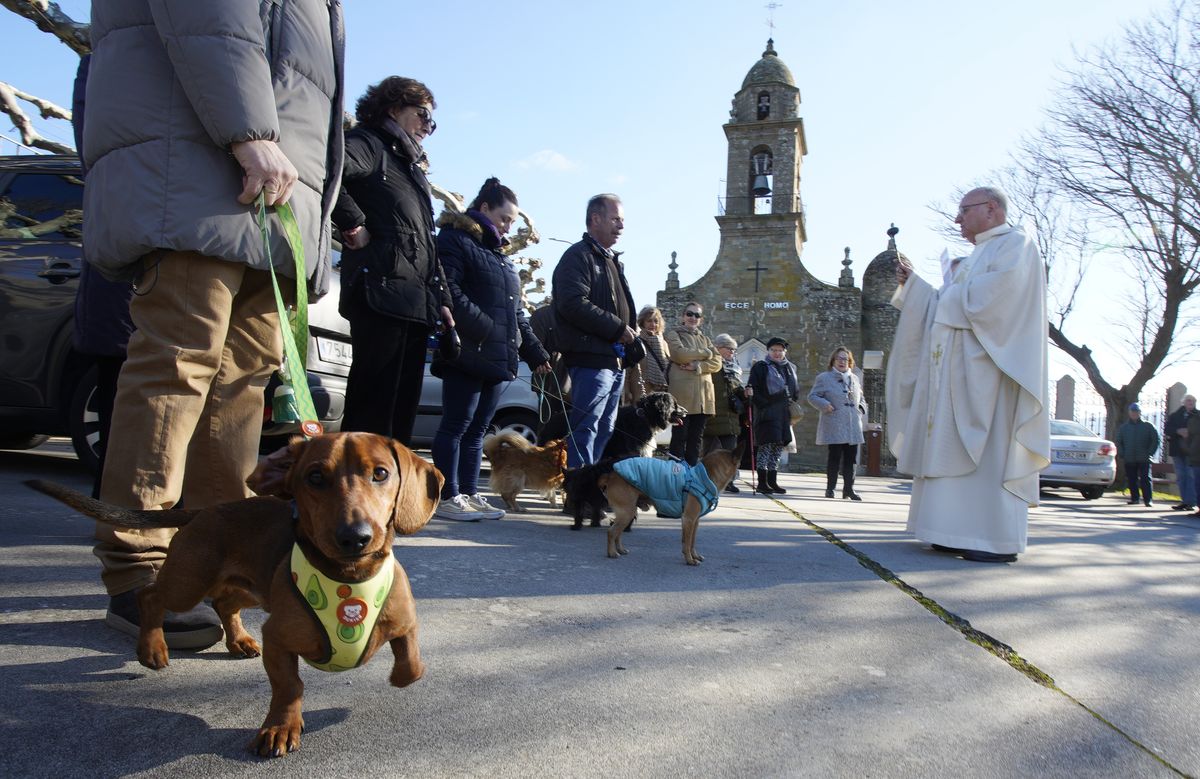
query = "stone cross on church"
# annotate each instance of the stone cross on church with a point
(762, 227)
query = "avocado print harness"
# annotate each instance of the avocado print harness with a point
(346, 611)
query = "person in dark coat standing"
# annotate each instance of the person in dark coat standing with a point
(486, 291)
(393, 290)
(1176, 432)
(1137, 440)
(594, 320)
(773, 387)
(102, 323)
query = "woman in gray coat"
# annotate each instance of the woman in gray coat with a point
(837, 394)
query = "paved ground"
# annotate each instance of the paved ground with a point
(815, 640)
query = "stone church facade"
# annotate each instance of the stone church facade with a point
(758, 286)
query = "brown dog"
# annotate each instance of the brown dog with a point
(517, 464)
(352, 493)
(722, 467)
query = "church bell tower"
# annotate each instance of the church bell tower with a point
(766, 147)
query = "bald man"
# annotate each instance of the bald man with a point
(967, 391)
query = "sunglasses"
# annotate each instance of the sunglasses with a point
(693, 314)
(426, 118)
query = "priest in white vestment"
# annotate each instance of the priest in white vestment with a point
(967, 394)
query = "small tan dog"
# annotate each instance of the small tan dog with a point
(517, 465)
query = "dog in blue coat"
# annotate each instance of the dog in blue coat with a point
(687, 491)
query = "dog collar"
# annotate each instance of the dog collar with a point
(346, 611)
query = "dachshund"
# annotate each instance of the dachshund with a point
(318, 543)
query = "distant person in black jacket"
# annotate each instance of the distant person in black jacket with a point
(393, 292)
(1176, 432)
(594, 322)
(486, 291)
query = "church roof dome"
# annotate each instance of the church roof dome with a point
(769, 70)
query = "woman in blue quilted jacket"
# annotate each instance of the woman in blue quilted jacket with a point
(486, 292)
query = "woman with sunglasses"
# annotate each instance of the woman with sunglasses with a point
(393, 289)
(694, 360)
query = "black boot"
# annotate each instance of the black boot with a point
(763, 487)
(831, 471)
(732, 488)
(773, 480)
(848, 486)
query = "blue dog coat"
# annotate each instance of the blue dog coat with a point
(665, 482)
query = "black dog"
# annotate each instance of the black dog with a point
(584, 493)
(637, 425)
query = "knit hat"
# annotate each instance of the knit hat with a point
(725, 339)
(777, 340)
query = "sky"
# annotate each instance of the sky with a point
(903, 104)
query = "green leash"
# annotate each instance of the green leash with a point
(294, 324)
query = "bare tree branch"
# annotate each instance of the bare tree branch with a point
(1121, 147)
(9, 96)
(50, 18)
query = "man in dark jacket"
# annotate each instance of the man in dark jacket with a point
(194, 110)
(1176, 432)
(594, 320)
(1137, 441)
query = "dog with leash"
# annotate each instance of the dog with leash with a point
(315, 553)
(675, 488)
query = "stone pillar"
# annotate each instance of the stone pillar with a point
(1064, 403)
(1175, 395)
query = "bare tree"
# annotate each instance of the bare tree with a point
(50, 18)
(1121, 148)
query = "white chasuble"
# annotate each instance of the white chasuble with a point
(967, 395)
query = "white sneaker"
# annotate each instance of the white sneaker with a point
(457, 508)
(480, 504)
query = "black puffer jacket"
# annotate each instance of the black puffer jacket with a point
(397, 274)
(772, 417)
(486, 291)
(585, 309)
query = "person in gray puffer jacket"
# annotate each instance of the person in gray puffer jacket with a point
(194, 109)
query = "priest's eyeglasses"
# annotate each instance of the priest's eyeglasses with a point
(963, 209)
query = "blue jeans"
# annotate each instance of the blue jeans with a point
(468, 404)
(1185, 479)
(595, 396)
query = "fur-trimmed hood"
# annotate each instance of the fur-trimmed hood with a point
(466, 223)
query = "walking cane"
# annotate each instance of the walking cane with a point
(753, 461)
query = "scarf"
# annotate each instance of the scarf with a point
(777, 379)
(492, 238)
(410, 151)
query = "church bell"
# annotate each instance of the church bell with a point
(761, 185)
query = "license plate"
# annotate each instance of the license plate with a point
(336, 352)
(1062, 454)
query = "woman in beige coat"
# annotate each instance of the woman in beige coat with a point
(694, 360)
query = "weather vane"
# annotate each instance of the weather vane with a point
(771, 20)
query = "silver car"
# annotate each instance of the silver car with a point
(1079, 459)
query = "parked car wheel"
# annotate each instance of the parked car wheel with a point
(524, 423)
(23, 441)
(1091, 493)
(84, 420)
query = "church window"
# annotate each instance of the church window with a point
(764, 105)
